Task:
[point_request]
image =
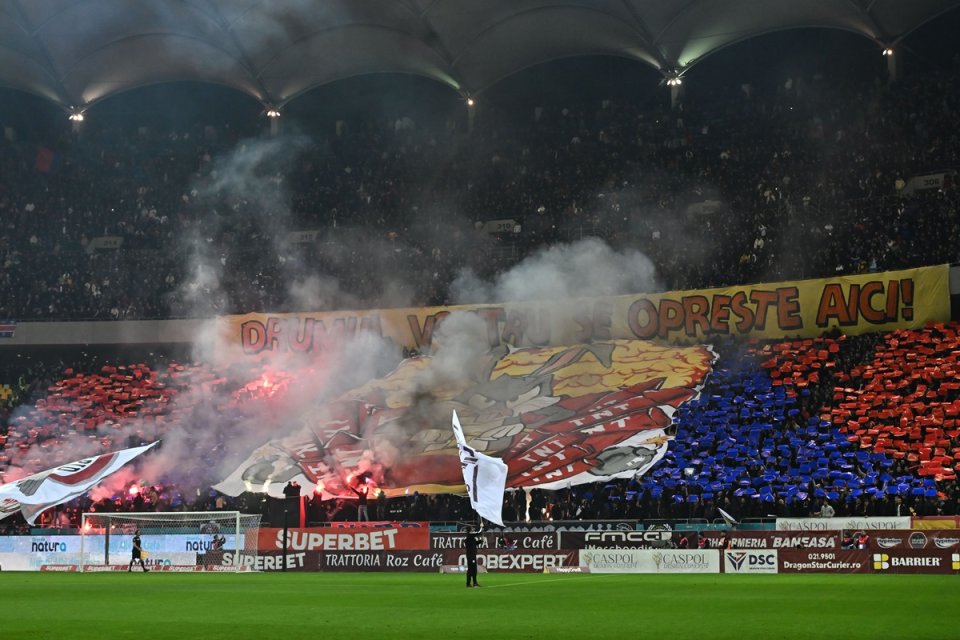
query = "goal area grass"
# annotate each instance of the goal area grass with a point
(505, 607)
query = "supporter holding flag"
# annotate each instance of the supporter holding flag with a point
(471, 541)
(485, 477)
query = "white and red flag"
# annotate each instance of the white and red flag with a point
(485, 477)
(37, 493)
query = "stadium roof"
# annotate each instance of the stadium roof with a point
(76, 52)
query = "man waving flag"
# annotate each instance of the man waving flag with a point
(484, 476)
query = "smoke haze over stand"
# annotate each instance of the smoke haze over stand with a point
(213, 427)
(245, 190)
(557, 275)
(250, 184)
(581, 269)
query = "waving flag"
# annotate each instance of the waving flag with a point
(729, 519)
(484, 476)
(37, 493)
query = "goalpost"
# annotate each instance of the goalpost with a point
(172, 541)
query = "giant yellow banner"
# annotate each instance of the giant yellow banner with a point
(854, 304)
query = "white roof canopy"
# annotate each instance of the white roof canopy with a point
(76, 52)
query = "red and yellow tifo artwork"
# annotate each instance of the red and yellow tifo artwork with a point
(557, 416)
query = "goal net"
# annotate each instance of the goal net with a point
(174, 541)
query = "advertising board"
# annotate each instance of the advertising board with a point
(346, 539)
(649, 539)
(840, 524)
(946, 539)
(650, 561)
(750, 561)
(532, 561)
(522, 540)
(802, 539)
(915, 561)
(816, 561)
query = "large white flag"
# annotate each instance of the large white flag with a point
(484, 476)
(37, 493)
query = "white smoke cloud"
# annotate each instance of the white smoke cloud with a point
(459, 343)
(247, 189)
(581, 269)
(319, 292)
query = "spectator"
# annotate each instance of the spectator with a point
(826, 510)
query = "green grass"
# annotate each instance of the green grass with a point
(325, 606)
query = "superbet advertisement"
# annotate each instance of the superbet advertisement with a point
(392, 538)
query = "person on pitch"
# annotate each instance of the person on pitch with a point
(136, 553)
(470, 544)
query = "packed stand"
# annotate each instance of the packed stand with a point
(905, 402)
(854, 426)
(808, 181)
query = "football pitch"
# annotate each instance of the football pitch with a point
(506, 606)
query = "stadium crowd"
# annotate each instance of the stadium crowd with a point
(808, 181)
(771, 435)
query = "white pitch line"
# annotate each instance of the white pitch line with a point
(515, 584)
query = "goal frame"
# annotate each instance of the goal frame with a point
(135, 516)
